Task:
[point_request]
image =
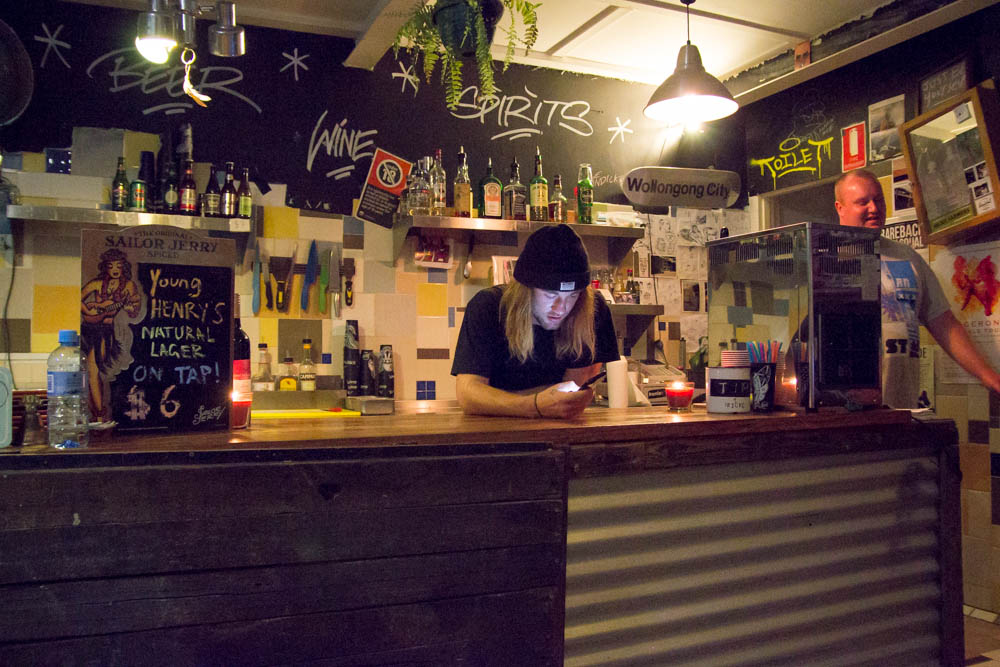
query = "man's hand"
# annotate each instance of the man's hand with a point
(557, 404)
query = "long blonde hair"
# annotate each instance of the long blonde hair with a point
(574, 336)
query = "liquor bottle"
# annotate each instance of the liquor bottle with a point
(439, 185)
(187, 190)
(164, 157)
(419, 187)
(242, 387)
(490, 189)
(515, 195)
(463, 187)
(264, 379)
(557, 201)
(244, 198)
(585, 195)
(227, 197)
(185, 144)
(119, 188)
(288, 379)
(632, 287)
(170, 192)
(212, 196)
(307, 367)
(538, 192)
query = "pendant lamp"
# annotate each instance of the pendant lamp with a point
(690, 94)
(154, 37)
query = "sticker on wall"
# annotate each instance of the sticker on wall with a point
(854, 155)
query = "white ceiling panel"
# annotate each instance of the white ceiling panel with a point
(636, 40)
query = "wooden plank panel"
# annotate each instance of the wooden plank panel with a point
(64, 498)
(506, 629)
(130, 604)
(179, 543)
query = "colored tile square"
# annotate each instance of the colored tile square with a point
(762, 298)
(326, 358)
(329, 229)
(20, 336)
(395, 316)
(380, 277)
(974, 461)
(55, 307)
(353, 225)
(432, 332)
(433, 353)
(738, 316)
(354, 242)
(421, 385)
(661, 325)
(674, 330)
(431, 384)
(280, 222)
(437, 276)
(781, 307)
(378, 243)
(431, 395)
(451, 317)
(739, 294)
(432, 300)
(979, 431)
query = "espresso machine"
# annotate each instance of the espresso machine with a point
(815, 289)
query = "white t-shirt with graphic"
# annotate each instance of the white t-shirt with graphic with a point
(911, 296)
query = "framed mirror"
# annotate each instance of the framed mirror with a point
(949, 153)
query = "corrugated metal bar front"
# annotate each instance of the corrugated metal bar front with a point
(814, 561)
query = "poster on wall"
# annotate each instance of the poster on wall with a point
(156, 327)
(970, 280)
(883, 119)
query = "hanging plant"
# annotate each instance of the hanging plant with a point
(452, 31)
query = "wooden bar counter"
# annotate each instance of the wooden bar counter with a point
(624, 537)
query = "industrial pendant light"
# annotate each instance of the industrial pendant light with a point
(154, 37)
(225, 38)
(168, 21)
(690, 94)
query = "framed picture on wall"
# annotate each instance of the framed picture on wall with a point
(944, 83)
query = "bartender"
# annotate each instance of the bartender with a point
(911, 295)
(525, 347)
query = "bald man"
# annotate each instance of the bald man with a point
(911, 296)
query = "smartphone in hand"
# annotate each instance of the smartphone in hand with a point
(596, 378)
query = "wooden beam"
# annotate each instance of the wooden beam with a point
(384, 21)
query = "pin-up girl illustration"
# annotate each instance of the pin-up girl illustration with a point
(108, 303)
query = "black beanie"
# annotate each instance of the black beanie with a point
(553, 259)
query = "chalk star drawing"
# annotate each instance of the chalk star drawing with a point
(620, 130)
(295, 61)
(52, 44)
(406, 74)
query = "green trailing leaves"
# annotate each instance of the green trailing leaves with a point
(420, 37)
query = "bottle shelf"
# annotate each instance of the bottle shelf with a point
(620, 239)
(97, 216)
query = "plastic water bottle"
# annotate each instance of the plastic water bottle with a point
(67, 393)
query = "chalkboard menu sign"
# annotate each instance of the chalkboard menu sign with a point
(156, 327)
(943, 84)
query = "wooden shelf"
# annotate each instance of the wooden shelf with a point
(620, 239)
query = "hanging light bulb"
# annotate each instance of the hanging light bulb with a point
(690, 95)
(154, 36)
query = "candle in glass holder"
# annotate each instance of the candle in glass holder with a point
(679, 395)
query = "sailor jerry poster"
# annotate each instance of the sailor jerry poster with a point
(970, 278)
(156, 327)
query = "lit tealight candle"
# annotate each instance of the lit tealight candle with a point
(679, 395)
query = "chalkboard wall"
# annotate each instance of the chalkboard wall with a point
(291, 110)
(794, 137)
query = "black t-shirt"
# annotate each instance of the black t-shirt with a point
(482, 346)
